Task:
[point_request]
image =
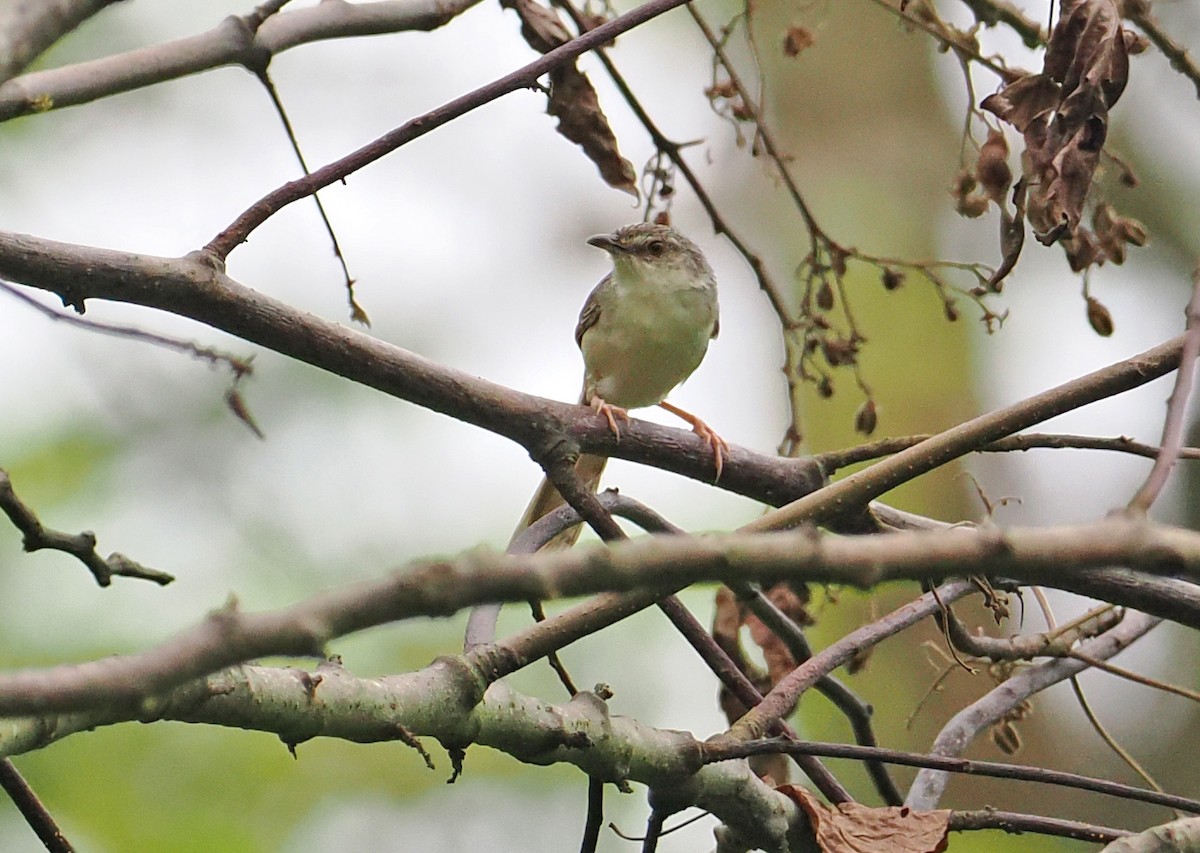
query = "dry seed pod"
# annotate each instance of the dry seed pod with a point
(1099, 317)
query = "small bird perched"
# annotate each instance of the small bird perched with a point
(643, 330)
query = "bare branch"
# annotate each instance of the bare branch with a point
(80, 545)
(234, 41)
(856, 490)
(978, 717)
(784, 695)
(36, 815)
(190, 287)
(717, 750)
(28, 29)
(1181, 60)
(1173, 428)
(1064, 558)
(238, 366)
(444, 701)
(523, 78)
(833, 460)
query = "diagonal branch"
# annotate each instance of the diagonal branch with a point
(28, 29)
(855, 491)
(523, 78)
(190, 287)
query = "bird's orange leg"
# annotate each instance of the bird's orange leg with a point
(720, 448)
(611, 413)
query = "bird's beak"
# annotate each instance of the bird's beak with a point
(607, 243)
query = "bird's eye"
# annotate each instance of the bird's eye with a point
(656, 247)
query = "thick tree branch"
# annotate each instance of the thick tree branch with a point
(444, 701)
(1064, 558)
(28, 29)
(190, 287)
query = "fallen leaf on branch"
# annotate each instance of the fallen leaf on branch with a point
(854, 828)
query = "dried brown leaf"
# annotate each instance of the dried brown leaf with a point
(1012, 238)
(574, 103)
(1087, 49)
(573, 100)
(1020, 102)
(1063, 112)
(792, 603)
(824, 296)
(541, 28)
(855, 828)
(237, 404)
(892, 278)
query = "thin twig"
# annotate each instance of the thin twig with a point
(835, 460)
(855, 491)
(36, 815)
(1179, 57)
(523, 78)
(240, 367)
(82, 546)
(1173, 429)
(929, 785)
(723, 750)
(784, 695)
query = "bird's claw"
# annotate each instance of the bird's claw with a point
(611, 413)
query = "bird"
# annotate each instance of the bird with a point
(643, 330)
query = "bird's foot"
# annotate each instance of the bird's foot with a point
(611, 413)
(718, 445)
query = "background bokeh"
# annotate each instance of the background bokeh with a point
(468, 246)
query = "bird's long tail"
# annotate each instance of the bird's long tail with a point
(547, 499)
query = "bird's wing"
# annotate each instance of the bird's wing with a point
(590, 313)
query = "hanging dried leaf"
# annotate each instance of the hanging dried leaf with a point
(793, 603)
(728, 618)
(1063, 112)
(1012, 237)
(892, 278)
(854, 828)
(824, 297)
(573, 101)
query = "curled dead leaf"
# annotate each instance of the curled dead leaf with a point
(1062, 112)
(892, 278)
(573, 100)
